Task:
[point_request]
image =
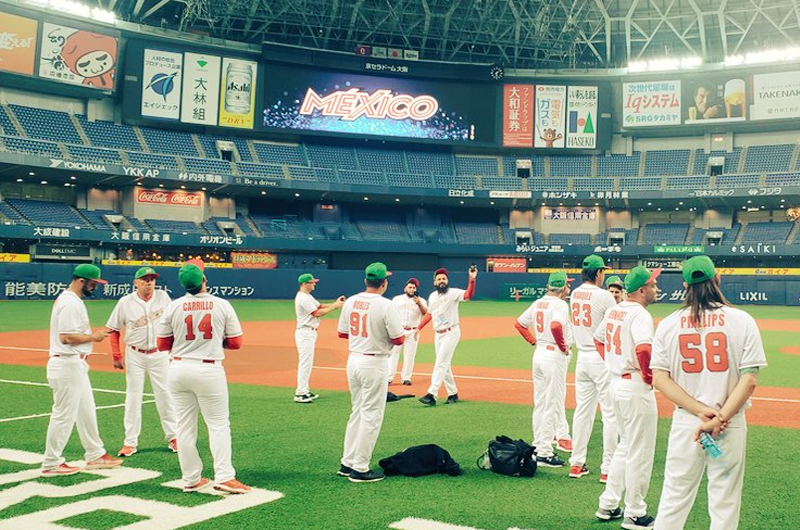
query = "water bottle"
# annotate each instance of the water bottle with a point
(710, 445)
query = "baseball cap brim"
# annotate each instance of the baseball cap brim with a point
(314, 280)
(656, 273)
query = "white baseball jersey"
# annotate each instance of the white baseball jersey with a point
(410, 314)
(304, 306)
(541, 314)
(444, 308)
(139, 318)
(371, 322)
(624, 327)
(69, 315)
(705, 361)
(199, 324)
(589, 304)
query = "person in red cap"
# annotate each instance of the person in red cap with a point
(443, 311)
(411, 308)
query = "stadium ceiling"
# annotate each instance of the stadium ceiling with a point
(538, 34)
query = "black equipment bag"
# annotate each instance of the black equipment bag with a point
(505, 456)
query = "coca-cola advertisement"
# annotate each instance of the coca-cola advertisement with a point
(169, 198)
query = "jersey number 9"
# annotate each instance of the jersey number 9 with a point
(358, 325)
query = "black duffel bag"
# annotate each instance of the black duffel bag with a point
(505, 456)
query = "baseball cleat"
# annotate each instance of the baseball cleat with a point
(313, 395)
(549, 461)
(344, 471)
(204, 482)
(406, 382)
(452, 399)
(634, 523)
(303, 398)
(603, 478)
(61, 471)
(606, 515)
(173, 445)
(578, 471)
(232, 486)
(104, 462)
(564, 444)
(126, 451)
(428, 399)
(366, 476)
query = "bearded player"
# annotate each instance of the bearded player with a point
(411, 308)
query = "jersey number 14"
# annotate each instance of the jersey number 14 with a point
(203, 327)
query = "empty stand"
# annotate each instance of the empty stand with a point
(476, 165)
(665, 234)
(47, 124)
(271, 153)
(94, 154)
(107, 134)
(667, 162)
(32, 147)
(164, 141)
(570, 166)
(776, 232)
(48, 213)
(618, 165)
(430, 163)
(763, 158)
(381, 160)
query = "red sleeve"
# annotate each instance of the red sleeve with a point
(424, 321)
(164, 343)
(470, 289)
(233, 343)
(601, 348)
(114, 337)
(399, 340)
(643, 353)
(343, 335)
(525, 332)
(558, 335)
(314, 313)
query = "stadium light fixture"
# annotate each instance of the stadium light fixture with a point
(31, 173)
(396, 199)
(67, 184)
(263, 192)
(765, 56)
(73, 177)
(296, 194)
(366, 198)
(491, 202)
(19, 180)
(76, 8)
(461, 202)
(664, 64)
(160, 185)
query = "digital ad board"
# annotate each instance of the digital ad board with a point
(322, 101)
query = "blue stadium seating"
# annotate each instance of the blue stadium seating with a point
(6, 125)
(737, 181)
(476, 233)
(383, 230)
(501, 183)
(763, 158)
(668, 162)
(618, 165)
(47, 124)
(164, 141)
(476, 165)
(731, 160)
(322, 174)
(302, 173)
(728, 234)
(97, 218)
(271, 153)
(12, 214)
(547, 184)
(783, 179)
(137, 224)
(260, 170)
(410, 181)
(107, 134)
(776, 232)
(241, 220)
(173, 227)
(422, 163)
(665, 234)
(94, 154)
(510, 166)
(209, 144)
(361, 178)
(205, 165)
(690, 183)
(570, 239)
(49, 213)
(285, 227)
(593, 184)
(644, 183)
(381, 160)
(32, 147)
(148, 160)
(334, 157)
(570, 166)
(456, 183)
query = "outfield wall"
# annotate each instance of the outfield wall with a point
(45, 280)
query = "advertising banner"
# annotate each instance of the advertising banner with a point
(582, 117)
(518, 116)
(651, 104)
(506, 265)
(170, 198)
(78, 57)
(161, 84)
(776, 96)
(238, 93)
(569, 214)
(17, 43)
(550, 116)
(200, 93)
(715, 99)
(6, 257)
(679, 249)
(254, 260)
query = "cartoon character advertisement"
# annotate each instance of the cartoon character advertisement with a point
(78, 57)
(549, 116)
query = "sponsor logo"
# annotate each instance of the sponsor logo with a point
(352, 104)
(753, 296)
(168, 197)
(77, 166)
(140, 172)
(758, 248)
(461, 193)
(199, 177)
(162, 84)
(500, 194)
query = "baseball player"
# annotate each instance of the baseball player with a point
(443, 311)
(411, 308)
(196, 328)
(706, 358)
(549, 319)
(71, 339)
(371, 324)
(308, 312)
(138, 314)
(626, 336)
(615, 286)
(589, 304)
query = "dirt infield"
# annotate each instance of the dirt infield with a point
(269, 358)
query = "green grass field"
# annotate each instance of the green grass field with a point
(293, 449)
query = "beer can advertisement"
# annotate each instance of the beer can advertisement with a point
(238, 94)
(254, 260)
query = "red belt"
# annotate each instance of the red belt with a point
(409, 329)
(81, 356)
(443, 330)
(146, 352)
(550, 348)
(204, 361)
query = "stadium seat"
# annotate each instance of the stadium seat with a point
(172, 142)
(571, 166)
(380, 160)
(109, 135)
(280, 154)
(476, 165)
(773, 233)
(763, 158)
(32, 147)
(94, 154)
(47, 124)
(49, 213)
(618, 165)
(666, 162)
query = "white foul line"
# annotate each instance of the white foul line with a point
(45, 415)
(23, 348)
(35, 383)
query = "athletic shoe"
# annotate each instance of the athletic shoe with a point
(304, 398)
(428, 399)
(549, 461)
(173, 445)
(367, 476)
(578, 471)
(232, 486)
(606, 515)
(61, 471)
(406, 382)
(565, 445)
(313, 395)
(603, 478)
(126, 451)
(344, 471)
(452, 399)
(634, 523)
(104, 462)
(204, 482)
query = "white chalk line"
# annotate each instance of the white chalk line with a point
(47, 414)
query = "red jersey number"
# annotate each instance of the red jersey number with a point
(358, 325)
(204, 326)
(539, 322)
(716, 352)
(613, 341)
(586, 309)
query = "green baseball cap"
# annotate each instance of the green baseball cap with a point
(376, 271)
(88, 271)
(145, 271)
(191, 274)
(615, 280)
(698, 269)
(558, 279)
(307, 278)
(638, 277)
(594, 261)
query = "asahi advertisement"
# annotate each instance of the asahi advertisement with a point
(238, 95)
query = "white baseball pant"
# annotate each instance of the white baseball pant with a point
(548, 396)
(137, 366)
(366, 376)
(195, 387)
(686, 461)
(592, 385)
(562, 426)
(632, 464)
(73, 406)
(305, 339)
(409, 350)
(444, 345)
